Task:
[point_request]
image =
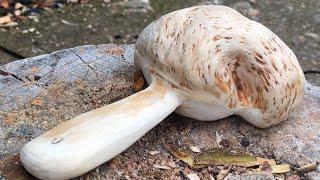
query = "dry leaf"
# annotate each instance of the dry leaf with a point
(5, 19)
(193, 176)
(195, 149)
(223, 157)
(4, 3)
(275, 169)
(269, 161)
(181, 155)
(279, 177)
(278, 169)
(265, 167)
(308, 167)
(10, 24)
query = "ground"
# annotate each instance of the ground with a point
(296, 22)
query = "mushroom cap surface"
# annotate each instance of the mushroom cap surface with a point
(221, 63)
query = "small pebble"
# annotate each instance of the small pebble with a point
(153, 152)
(195, 149)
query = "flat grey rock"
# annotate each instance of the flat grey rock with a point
(38, 93)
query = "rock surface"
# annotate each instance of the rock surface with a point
(38, 93)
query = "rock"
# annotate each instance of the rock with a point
(316, 18)
(72, 81)
(133, 6)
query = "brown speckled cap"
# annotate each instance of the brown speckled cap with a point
(222, 63)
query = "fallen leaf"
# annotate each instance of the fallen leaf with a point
(281, 168)
(10, 24)
(307, 168)
(269, 161)
(195, 149)
(275, 169)
(265, 167)
(161, 167)
(223, 157)
(5, 19)
(181, 155)
(193, 176)
(4, 3)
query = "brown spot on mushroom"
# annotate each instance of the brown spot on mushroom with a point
(242, 97)
(259, 59)
(217, 49)
(222, 85)
(204, 78)
(216, 38)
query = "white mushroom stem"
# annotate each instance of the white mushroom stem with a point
(93, 138)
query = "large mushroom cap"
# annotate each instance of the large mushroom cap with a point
(221, 63)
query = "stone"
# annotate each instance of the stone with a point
(76, 80)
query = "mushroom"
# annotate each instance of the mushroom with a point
(204, 62)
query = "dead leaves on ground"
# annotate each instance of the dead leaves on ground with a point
(11, 12)
(229, 158)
